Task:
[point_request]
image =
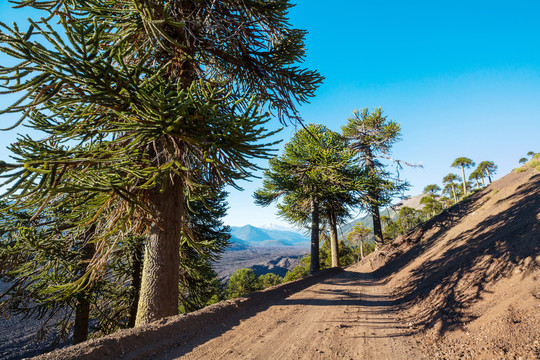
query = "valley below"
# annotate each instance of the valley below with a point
(262, 260)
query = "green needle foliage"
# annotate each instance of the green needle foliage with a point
(432, 189)
(143, 104)
(315, 175)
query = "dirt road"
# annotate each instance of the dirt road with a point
(347, 316)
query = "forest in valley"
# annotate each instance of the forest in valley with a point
(146, 111)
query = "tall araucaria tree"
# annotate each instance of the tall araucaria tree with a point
(477, 175)
(371, 136)
(432, 189)
(463, 162)
(315, 176)
(489, 168)
(134, 97)
(450, 180)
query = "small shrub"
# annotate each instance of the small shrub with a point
(494, 192)
(270, 279)
(520, 169)
(242, 282)
(298, 272)
(538, 168)
(533, 163)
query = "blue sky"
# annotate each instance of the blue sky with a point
(462, 78)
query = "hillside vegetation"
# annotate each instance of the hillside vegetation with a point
(468, 280)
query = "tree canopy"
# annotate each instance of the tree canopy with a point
(143, 105)
(315, 173)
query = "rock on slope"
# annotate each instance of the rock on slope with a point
(468, 280)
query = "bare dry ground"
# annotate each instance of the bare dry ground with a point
(464, 285)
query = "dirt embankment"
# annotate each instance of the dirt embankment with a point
(469, 279)
(464, 285)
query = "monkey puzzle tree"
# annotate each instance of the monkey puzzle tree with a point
(463, 162)
(489, 168)
(135, 97)
(315, 175)
(450, 180)
(358, 237)
(371, 136)
(432, 189)
(522, 160)
(477, 176)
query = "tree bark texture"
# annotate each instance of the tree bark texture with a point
(136, 261)
(334, 240)
(314, 265)
(82, 308)
(454, 193)
(159, 286)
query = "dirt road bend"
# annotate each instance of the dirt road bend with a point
(346, 316)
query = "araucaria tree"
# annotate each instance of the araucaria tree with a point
(488, 168)
(141, 104)
(316, 175)
(450, 181)
(371, 136)
(463, 162)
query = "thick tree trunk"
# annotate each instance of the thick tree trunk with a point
(159, 286)
(314, 265)
(464, 181)
(82, 318)
(483, 184)
(82, 308)
(136, 261)
(454, 192)
(362, 248)
(334, 240)
(488, 175)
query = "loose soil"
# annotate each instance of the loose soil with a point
(463, 285)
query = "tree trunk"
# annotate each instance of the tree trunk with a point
(314, 265)
(377, 228)
(483, 184)
(82, 318)
(82, 308)
(136, 261)
(362, 248)
(374, 202)
(334, 239)
(464, 181)
(488, 175)
(454, 192)
(159, 285)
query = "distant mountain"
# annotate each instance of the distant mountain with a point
(250, 236)
(273, 226)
